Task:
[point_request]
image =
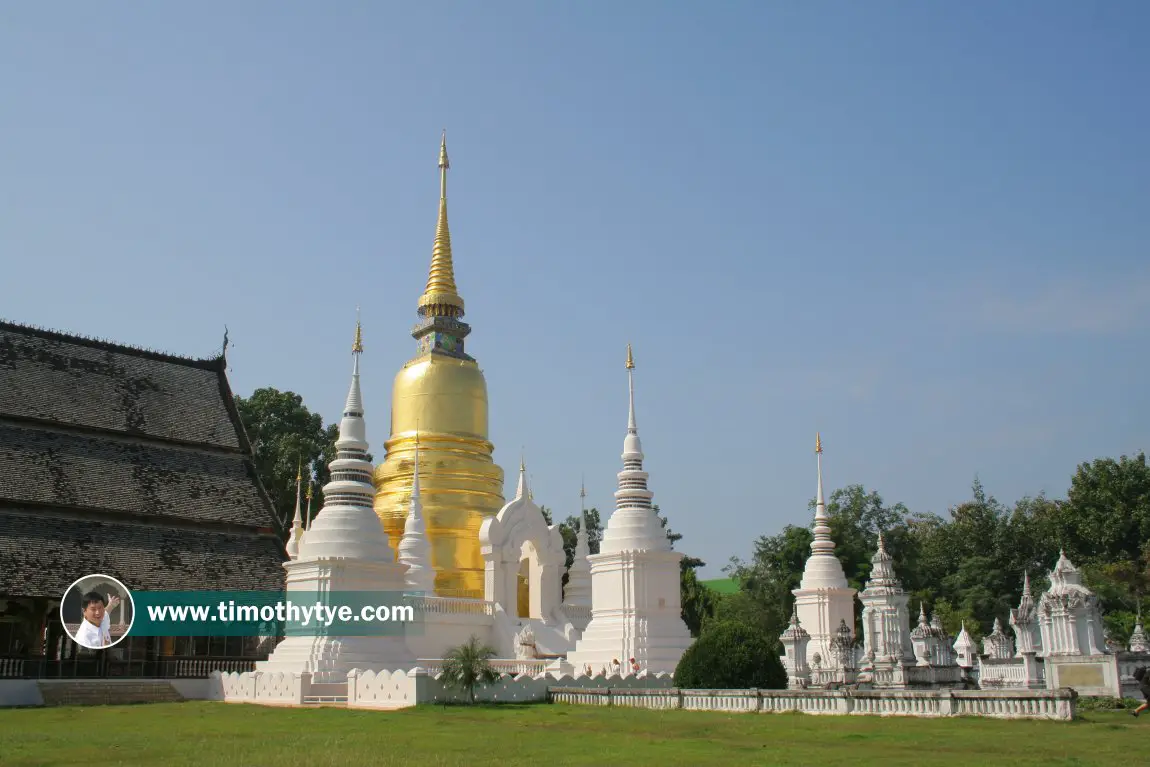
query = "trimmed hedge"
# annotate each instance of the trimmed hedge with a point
(730, 655)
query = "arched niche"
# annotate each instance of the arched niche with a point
(519, 540)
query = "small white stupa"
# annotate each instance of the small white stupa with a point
(965, 650)
(636, 609)
(1069, 614)
(297, 528)
(345, 550)
(414, 548)
(578, 590)
(824, 600)
(885, 615)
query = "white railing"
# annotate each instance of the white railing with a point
(195, 667)
(1002, 672)
(514, 667)
(449, 605)
(1012, 704)
(11, 667)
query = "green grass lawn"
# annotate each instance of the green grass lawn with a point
(204, 733)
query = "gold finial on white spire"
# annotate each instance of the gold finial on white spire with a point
(357, 345)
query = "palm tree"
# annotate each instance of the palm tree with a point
(467, 665)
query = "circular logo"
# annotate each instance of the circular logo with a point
(97, 611)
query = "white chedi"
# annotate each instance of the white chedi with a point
(636, 606)
(824, 600)
(414, 547)
(578, 590)
(1069, 615)
(965, 650)
(345, 550)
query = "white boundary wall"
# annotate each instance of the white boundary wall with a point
(400, 689)
(1002, 704)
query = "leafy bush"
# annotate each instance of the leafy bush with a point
(1093, 703)
(731, 655)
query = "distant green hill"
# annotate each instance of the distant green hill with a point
(722, 585)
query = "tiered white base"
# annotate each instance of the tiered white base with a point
(636, 614)
(329, 659)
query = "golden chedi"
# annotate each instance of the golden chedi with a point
(440, 398)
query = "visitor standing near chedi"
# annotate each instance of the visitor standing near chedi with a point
(95, 630)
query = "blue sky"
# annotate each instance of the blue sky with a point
(920, 228)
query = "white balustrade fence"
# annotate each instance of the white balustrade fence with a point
(1005, 704)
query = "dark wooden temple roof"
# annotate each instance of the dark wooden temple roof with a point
(127, 462)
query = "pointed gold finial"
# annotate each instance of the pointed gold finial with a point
(308, 494)
(818, 443)
(630, 358)
(441, 297)
(357, 345)
(299, 472)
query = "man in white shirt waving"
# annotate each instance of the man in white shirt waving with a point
(95, 628)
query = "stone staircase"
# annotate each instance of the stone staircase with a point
(107, 692)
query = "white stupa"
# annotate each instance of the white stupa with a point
(636, 609)
(414, 547)
(885, 615)
(344, 550)
(578, 590)
(823, 600)
(297, 528)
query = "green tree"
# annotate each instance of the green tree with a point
(696, 601)
(731, 656)
(569, 530)
(1107, 514)
(284, 434)
(469, 665)
(768, 580)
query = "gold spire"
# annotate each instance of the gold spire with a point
(357, 345)
(818, 443)
(630, 358)
(299, 472)
(441, 297)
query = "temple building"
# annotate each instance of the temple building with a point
(127, 463)
(439, 400)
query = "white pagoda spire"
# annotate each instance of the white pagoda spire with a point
(414, 548)
(634, 524)
(965, 649)
(636, 607)
(347, 525)
(1138, 640)
(297, 523)
(522, 490)
(823, 569)
(345, 550)
(578, 591)
(824, 601)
